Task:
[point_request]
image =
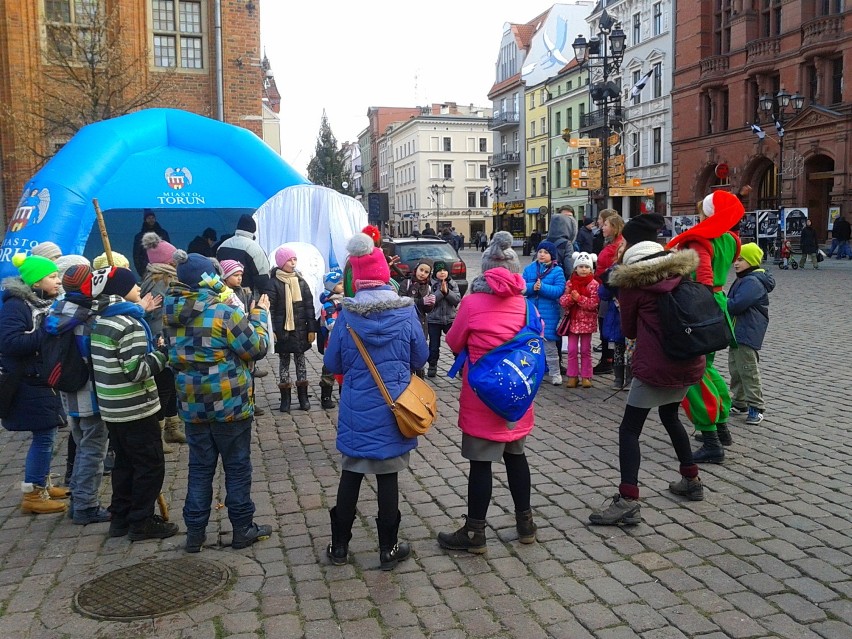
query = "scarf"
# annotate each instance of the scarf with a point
(291, 281)
(580, 283)
(165, 272)
(135, 311)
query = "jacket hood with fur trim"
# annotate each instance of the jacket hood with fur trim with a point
(648, 272)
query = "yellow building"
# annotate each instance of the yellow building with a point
(536, 134)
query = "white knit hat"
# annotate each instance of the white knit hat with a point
(500, 254)
(642, 250)
(584, 259)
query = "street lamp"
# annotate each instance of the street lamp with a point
(776, 108)
(604, 53)
(436, 189)
(496, 191)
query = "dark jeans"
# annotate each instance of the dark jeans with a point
(137, 477)
(207, 443)
(628, 443)
(435, 331)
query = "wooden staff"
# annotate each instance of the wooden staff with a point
(161, 500)
(102, 226)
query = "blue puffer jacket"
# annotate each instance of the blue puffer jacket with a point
(546, 299)
(748, 305)
(390, 329)
(36, 405)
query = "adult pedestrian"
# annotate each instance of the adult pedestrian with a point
(708, 403)
(809, 245)
(149, 225)
(611, 228)
(562, 233)
(841, 231)
(586, 235)
(368, 437)
(212, 348)
(491, 314)
(203, 244)
(32, 405)
(428, 230)
(242, 248)
(600, 240)
(533, 242)
(647, 272)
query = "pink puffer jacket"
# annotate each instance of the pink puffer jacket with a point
(486, 320)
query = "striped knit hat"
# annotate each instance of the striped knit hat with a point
(78, 279)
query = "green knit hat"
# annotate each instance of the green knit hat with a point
(33, 268)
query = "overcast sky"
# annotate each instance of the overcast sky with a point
(345, 56)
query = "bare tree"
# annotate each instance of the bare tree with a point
(89, 73)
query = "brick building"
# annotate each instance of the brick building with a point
(159, 35)
(730, 53)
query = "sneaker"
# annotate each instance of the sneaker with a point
(155, 527)
(598, 348)
(736, 410)
(246, 537)
(93, 515)
(692, 489)
(556, 380)
(620, 511)
(754, 416)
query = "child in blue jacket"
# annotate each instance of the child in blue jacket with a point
(545, 285)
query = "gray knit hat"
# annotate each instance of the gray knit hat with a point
(500, 254)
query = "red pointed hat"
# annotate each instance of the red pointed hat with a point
(722, 210)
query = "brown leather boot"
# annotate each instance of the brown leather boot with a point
(37, 501)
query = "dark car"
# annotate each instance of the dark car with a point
(412, 249)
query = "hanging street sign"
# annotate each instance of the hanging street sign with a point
(583, 143)
(629, 191)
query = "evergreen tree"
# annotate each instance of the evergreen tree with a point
(326, 167)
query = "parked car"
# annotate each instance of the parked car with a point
(412, 249)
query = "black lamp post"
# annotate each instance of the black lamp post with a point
(436, 189)
(775, 107)
(603, 53)
(497, 190)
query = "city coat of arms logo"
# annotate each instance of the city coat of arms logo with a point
(32, 208)
(178, 178)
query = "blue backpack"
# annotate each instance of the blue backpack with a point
(507, 377)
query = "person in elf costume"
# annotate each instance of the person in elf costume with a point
(708, 403)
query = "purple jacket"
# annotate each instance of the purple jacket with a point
(640, 284)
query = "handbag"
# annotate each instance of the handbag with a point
(564, 326)
(415, 409)
(820, 255)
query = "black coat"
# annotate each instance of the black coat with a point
(586, 240)
(295, 341)
(200, 245)
(36, 405)
(140, 256)
(809, 240)
(841, 230)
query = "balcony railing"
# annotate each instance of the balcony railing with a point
(502, 120)
(504, 159)
(595, 119)
(822, 30)
(760, 50)
(713, 66)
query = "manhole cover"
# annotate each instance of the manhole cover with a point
(151, 589)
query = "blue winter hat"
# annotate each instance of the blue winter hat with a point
(191, 268)
(550, 247)
(331, 280)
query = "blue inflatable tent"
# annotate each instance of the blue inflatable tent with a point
(191, 171)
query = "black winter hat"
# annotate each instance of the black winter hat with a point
(247, 224)
(643, 228)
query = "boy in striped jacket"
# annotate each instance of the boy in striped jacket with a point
(125, 361)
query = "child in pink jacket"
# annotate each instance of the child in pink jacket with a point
(492, 313)
(581, 302)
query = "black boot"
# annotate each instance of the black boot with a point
(341, 534)
(711, 451)
(325, 397)
(470, 537)
(724, 434)
(391, 551)
(605, 365)
(302, 393)
(285, 397)
(618, 370)
(526, 527)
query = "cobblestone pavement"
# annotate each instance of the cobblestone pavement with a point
(767, 554)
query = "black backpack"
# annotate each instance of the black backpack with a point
(63, 367)
(692, 321)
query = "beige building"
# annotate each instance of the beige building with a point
(439, 172)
